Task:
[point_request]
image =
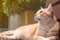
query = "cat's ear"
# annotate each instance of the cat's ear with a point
(41, 8)
(50, 8)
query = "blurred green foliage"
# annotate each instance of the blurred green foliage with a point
(17, 6)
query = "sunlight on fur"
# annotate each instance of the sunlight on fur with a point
(46, 27)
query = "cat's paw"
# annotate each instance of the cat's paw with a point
(3, 38)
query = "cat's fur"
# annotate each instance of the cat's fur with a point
(46, 27)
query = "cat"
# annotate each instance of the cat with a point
(49, 26)
(46, 27)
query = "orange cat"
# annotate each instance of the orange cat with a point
(48, 24)
(46, 27)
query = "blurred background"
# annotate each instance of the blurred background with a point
(16, 13)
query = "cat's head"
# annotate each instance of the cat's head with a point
(43, 14)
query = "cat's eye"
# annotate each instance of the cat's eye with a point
(41, 11)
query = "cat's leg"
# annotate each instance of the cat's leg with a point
(15, 35)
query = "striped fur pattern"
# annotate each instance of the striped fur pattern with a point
(46, 27)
